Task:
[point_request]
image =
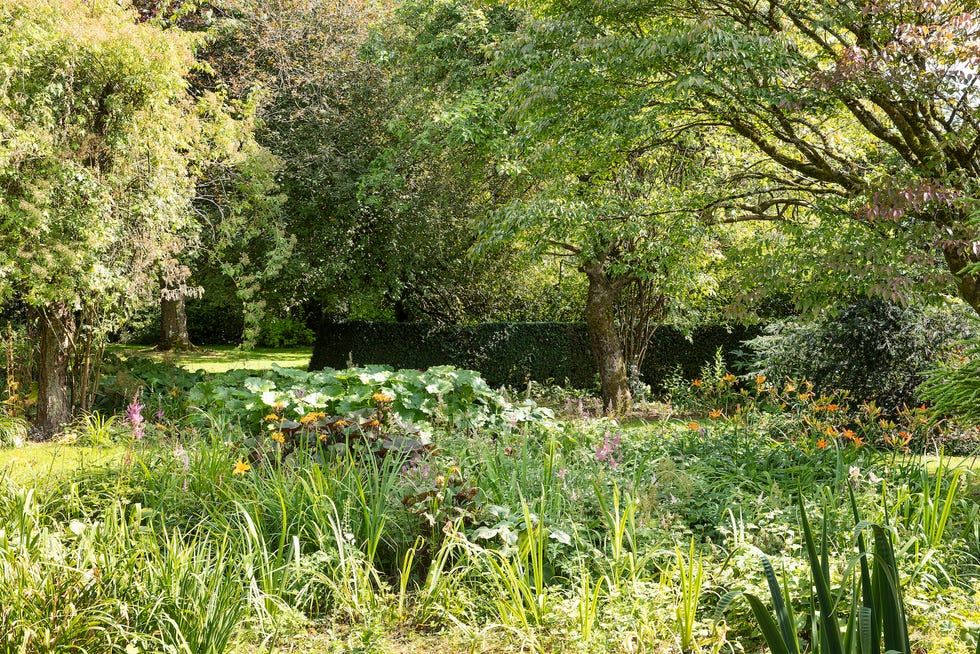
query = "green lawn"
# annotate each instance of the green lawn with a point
(36, 461)
(219, 358)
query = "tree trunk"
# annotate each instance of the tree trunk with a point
(173, 325)
(57, 333)
(959, 255)
(606, 346)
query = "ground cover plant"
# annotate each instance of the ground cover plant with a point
(506, 534)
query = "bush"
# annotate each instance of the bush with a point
(874, 350)
(284, 332)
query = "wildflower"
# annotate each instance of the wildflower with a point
(849, 434)
(241, 468)
(160, 415)
(607, 451)
(858, 441)
(340, 424)
(854, 475)
(279, 406)
(873, 478)
(440, 481)
(830, 431)
(279, 437)
(696, 383)
(693, 426)
(271, 418)
(308, 418)
(382, 398)
(821, 444)
(715, 414)
(760, 380)
(790, 388)
(832, 407)
(134, 414)
(372, 423)
(729, 378)
(561, 473)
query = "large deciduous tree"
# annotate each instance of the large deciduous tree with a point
(860, 120)
(97, 130)
(518, 96)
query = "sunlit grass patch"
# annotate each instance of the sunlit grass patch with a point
(37, 461)
(220, 358)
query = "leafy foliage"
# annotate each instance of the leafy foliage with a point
(873, 350)
(438, 394)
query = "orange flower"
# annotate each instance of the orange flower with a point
(760, 380)
(729, 377)
(858, 441)
(715, 414)
(832, 407)
(696, 383)
(821, 444)
(372, 423)
(790, 388)
(850, 435)
(279, 437)
(830, 431)
(693, 426)
(241, 468)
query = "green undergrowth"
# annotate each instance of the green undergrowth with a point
(580, 535)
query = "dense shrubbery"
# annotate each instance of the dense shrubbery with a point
(873, 350)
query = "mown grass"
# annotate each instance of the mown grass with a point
(221, 358)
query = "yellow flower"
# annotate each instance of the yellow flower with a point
(308, 418)
(372, 423)
(279, 437)
(340, 424)
(271, 418)
(241, 468)
(382, 398)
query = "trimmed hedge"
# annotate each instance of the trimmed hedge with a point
(512, 353)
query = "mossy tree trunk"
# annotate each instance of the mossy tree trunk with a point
(607, 348)
(173, 324)
(57, 333)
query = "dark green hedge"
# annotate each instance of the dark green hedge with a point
(511, 353)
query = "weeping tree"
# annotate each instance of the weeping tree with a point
(98, 139)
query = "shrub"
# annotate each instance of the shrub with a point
(284, 332)
(874, 350)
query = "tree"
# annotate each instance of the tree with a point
(97, 132)
(601, 194)
(860, 117)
